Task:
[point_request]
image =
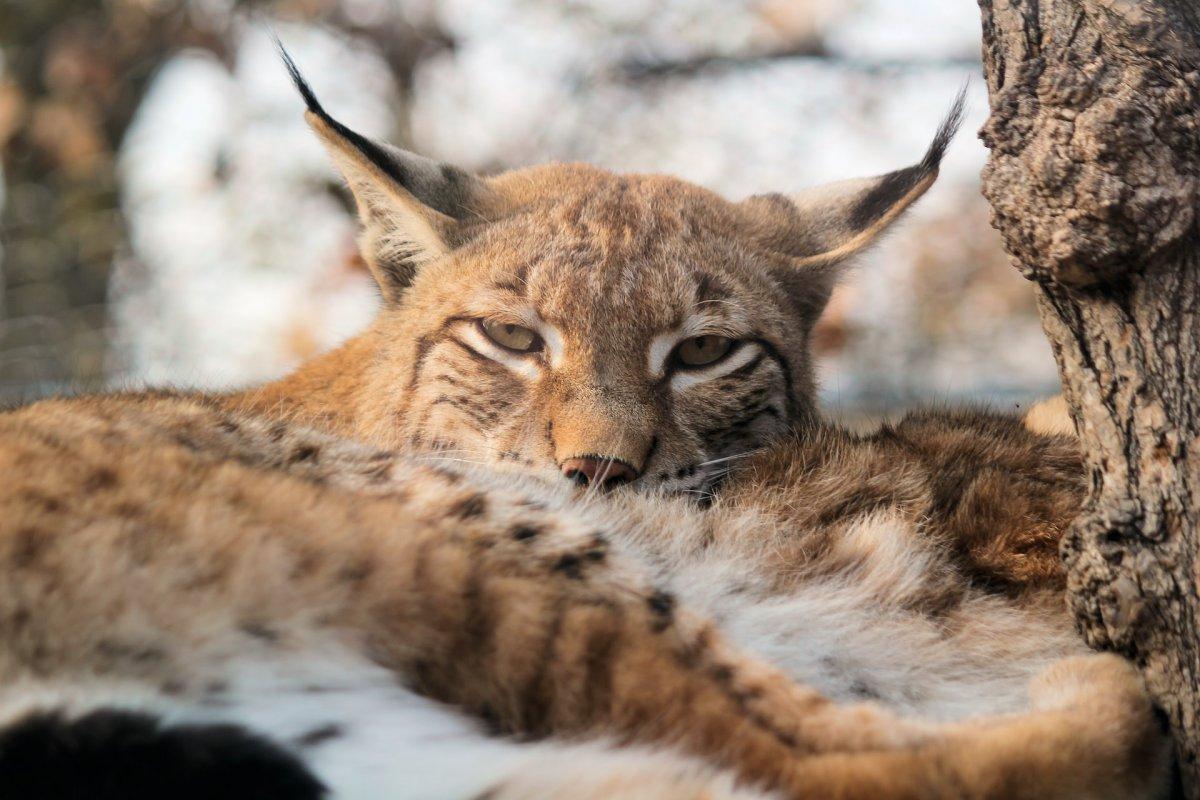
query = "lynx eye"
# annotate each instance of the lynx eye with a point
(700, 351)
(512, 337)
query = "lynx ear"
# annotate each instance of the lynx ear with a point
(412, 208)
(830, 223)
(820, 228)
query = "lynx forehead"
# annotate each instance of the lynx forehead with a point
(611, 328)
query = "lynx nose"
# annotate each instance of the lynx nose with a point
(607, 473)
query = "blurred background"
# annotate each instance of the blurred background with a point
(166, 217)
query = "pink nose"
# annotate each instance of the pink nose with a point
(607, 473)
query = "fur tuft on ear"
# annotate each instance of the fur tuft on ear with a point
(827, 224)
(819, 228)
(413, 209)
(889, 195)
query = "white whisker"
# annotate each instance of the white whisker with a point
(746, 454)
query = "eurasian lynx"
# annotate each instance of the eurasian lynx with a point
(304, 585)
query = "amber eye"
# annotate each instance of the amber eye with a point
(700, 351)
(512, 337)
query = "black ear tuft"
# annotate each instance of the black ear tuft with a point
(946, 131)
(894, 186)
(370, 149)
(306, 92)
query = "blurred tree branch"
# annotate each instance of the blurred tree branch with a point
(74, 74)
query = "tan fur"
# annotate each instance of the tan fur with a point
(275, 538)
(577, 260)
(156, 539)
(1050, 416)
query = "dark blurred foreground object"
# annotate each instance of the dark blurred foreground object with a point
(121, 755)
(1093, 178)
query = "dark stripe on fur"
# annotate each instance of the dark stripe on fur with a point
(788, 387)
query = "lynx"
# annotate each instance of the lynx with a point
(562, 316)
(463, 555)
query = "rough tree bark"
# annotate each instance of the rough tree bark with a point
(1093, 179)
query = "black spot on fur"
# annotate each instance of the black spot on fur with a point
(451, 173)
(378, 473)
(856, 505)
(127, 510)
(449, 476)
(44, 501)
(259, 630)
(523, 533)
(860, 688)
(570, 565)
(19, 619)
(490, 720)
(305, 453)
(470, 507)
(102, 478)
(784, 738)
(120, 755)
(187, 442)
(27, 546)
(598, 549)
(722, 674)
(116, 650)
(662, 605)
(357, 571)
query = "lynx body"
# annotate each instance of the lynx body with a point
(411, 569)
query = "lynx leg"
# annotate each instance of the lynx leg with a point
(599, 772)
(1090, 736)
(158, 565)
(529, 620)
(1050, 417)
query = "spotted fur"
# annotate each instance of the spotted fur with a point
(158, 550)
(375, 570)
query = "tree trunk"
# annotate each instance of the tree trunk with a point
(1093, 179)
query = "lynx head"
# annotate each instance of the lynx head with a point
(607, 328)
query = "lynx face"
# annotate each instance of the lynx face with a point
(617, 320)
(609, 328)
